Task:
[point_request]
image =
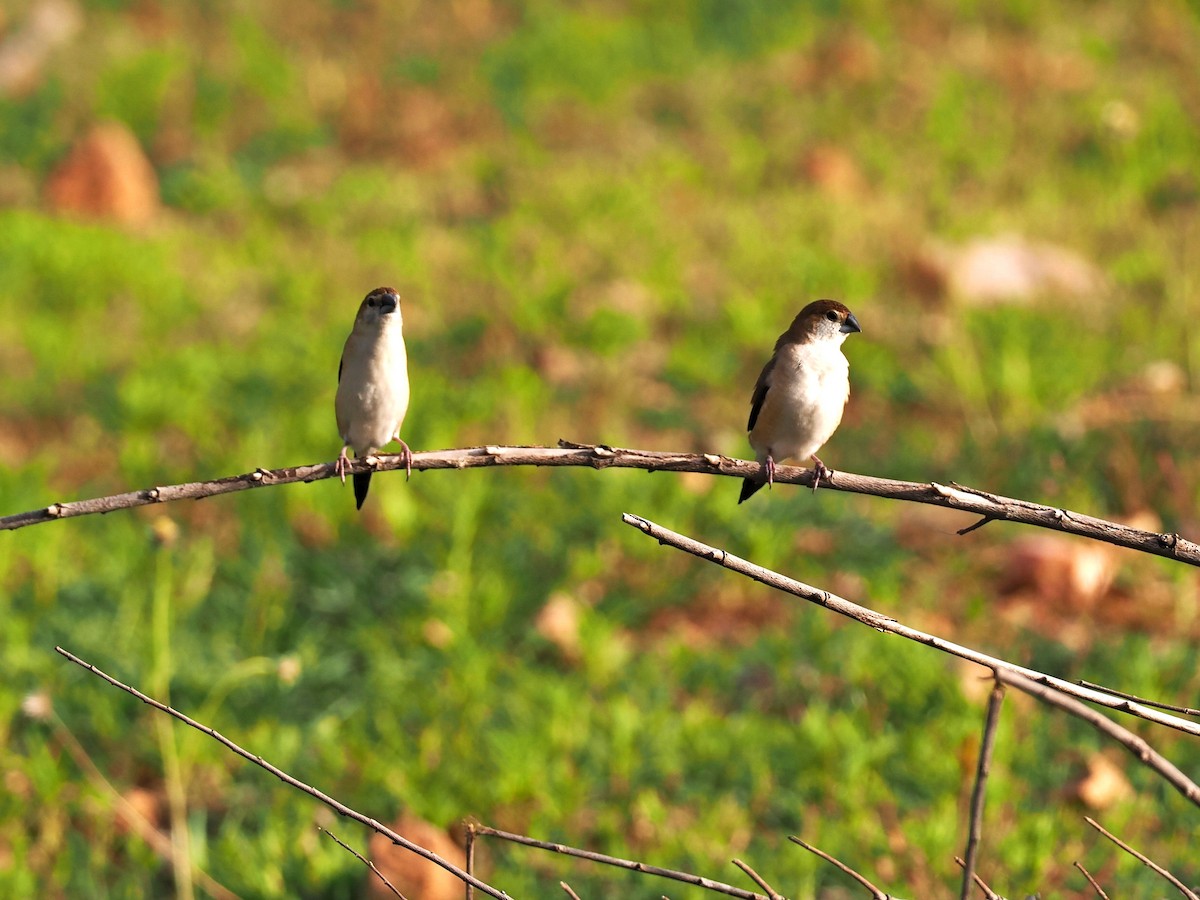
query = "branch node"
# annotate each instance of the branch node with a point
(54, 510)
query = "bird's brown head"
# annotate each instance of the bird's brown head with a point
(380, 303)
(821, 320)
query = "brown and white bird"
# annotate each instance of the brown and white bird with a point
(802, 391)
(372, 393)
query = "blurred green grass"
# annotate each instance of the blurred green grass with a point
(600, 216)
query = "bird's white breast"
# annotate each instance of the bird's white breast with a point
(372, 395)
(806, 395)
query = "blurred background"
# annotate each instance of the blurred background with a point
(600, 215)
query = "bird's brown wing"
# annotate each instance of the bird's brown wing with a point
(760, 393)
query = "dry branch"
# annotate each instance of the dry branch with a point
(837, 863)
(633, 865)
(283, 776)
(991, 507)
(979, 882)
(1146, 861)
(1134, 744)
(880, 622)
(366, 862)
(1170, 707)
(759, 880)
(979, 792)
(470, 851)
(1092, 881)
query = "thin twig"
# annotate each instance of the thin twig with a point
(685, 877)
(1179, 885)
(952, 496)
(570, 893)
(1130, 741)
(861, 879)
(470, 849)
(366, 862)
(1092, 881)
(881, 622)
(283, 776)
(1184, 710)
(759, 880)
(979, 882)
(979, 792)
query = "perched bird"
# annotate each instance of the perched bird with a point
(372, 394)
(802, 391)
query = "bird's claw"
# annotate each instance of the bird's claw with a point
(820, 470)
(341, 465)
(407, 456)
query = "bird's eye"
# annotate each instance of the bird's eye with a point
(371, 301)
(832, 316)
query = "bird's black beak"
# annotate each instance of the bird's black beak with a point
(388, 304)
(850, 325)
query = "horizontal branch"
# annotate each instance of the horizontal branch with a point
(283, 776)
(990, 507)
(880, 622)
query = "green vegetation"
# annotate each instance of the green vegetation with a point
(600, 215)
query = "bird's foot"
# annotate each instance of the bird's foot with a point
(406, 455)
(770, 467)
(341, 465)
(820, 470)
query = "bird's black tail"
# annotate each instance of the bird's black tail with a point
(749, 486)
(362, 483)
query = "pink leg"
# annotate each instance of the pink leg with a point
(770, 465)
(407, 456)
(820, 470)
(342, 465)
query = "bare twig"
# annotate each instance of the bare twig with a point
(470, 851)
(881, 622)
(759, 880)
(978, 793)
(952, 496)
(1183, 710)
(979, 882)
(1150, 864)
(1134, 744)
(1092, 881)
(861, 879)
(283, 776)
(570, 892)
(685, 877)
(366, 862)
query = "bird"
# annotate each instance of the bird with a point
(802, 391)
(372, 392)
